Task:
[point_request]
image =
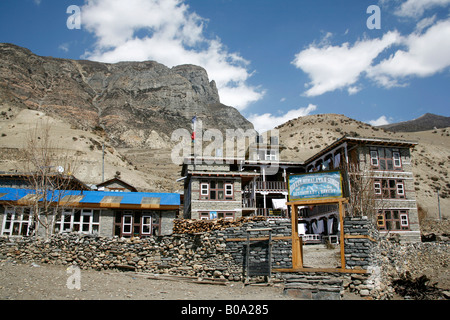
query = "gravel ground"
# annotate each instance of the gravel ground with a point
(49, 282)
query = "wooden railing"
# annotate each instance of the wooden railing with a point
(271, 186)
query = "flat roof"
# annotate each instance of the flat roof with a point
(101, 199)
(360, 140)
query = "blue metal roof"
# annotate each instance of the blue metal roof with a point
(96, 197)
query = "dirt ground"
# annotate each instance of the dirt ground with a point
(49, 282)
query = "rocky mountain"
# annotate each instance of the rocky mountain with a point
(428, 121)
(136, 104)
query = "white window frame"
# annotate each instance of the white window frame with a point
(63, 222)
(374, 158)
(17, 219)
(149, 225)
(404, 220)
(377, 187)
(202, 189)
(400, 189)
(228, 189)
(130, 224)
(271, 155)
(396, 158)
(84, 213)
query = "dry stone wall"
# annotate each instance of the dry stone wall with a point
(207, 254)
(220, 254)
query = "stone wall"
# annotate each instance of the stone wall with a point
(204, 255)
(391, 259)
(358, 249)
(221, 254)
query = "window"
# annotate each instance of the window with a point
(127, 224)
(136, 223)
(216, 215)
(400, 190)
(396, 156)
(404, 220)
(229, 190)
(374, 158)
(146, 225)
(271, 155)
(216, 190)
(385, 158)
(204, 189)
(79, 220)
(18, 221)
(377, 188)
(393, 220)
(380, 221)
(389, 189)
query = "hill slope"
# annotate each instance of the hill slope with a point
(428, 121)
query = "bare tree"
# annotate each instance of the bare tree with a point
(363, 199)
(48, 169)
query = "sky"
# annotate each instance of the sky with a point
(376, 61)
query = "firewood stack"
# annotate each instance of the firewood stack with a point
(183, 226)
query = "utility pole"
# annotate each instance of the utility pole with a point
(439, 204)
(103, 162)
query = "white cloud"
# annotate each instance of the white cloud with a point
(379, 122)
(353, 90)
(426, 54)
(425, 23)
(37, 2)
(64, 47)
(268, 121)
(337, 67)
(167, 32)
(416, 8)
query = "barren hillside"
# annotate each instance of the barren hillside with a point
(85, 146)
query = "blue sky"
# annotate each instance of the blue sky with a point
(273, 60)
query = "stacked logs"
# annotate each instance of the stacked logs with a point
(187, 226)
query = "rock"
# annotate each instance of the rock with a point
(364, 292)
(117, 97)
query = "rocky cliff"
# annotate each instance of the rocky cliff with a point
(136, 104)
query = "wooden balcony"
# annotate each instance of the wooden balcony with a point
(271, 186)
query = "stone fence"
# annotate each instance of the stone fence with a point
(203, 255)
(222, 254)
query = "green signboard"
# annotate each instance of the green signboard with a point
(317, 185)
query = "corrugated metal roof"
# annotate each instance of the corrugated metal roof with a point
(97, 197)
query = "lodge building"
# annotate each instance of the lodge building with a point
(258, 185)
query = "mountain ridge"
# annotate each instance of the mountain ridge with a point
(130, 101)
(427, 121)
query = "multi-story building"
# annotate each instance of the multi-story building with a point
(384, 165)
(258, 185)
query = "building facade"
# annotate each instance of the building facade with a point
(128, 214)
(257, 185)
